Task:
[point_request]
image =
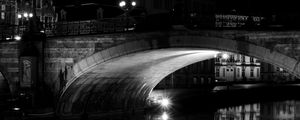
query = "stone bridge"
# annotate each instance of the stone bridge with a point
(100, 73)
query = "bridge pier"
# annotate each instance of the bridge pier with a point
(31, 66)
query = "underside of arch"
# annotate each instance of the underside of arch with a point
(125, 80)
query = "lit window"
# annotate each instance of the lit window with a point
(252, 72)
(3, 7)
(243, 58)
(251, 60)
(2, 15)
(217, 72)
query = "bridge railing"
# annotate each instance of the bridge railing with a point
(90, 27)
(69, 28)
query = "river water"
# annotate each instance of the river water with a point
(265, 103)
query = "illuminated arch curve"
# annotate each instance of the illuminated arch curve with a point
(101, 84)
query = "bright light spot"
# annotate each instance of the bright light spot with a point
(19, 16)
(25, 15)
(225, 56)
(16, 108)
(7, 38)
(216, 80)
(133, 3)
(17, 37)
(30, 15)
(165, 116)
(42, 31)
(165, 102)
(122, 3)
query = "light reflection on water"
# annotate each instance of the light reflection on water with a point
(283, 110)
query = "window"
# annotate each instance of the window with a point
(243, 58)
(217, 59)
(217, 72)
(2, 15)
(223, 72)
(252, 72)
(243, 72)
(251, 60)
(238, 58)
(238, 72)
(3, 7)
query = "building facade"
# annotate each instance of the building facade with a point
(7, 12)
(7, 18)
(44, 10)
(15, 16)
(236, 67)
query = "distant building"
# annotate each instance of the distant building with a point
(7, 12)
(15, 15)
(7, 18)
(45, 12)
(236, 67)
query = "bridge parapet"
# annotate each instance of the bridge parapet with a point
(286, 42)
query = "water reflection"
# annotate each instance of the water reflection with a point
(242, 112)
(283, 110)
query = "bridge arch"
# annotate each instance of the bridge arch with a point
(102, 81)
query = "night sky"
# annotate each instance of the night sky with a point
(262, 7)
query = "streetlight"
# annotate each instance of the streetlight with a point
(30, 15)
(17, 37)
(133, 3)
(25, 15)
(127, 7)
(122, 4)
(19, 16)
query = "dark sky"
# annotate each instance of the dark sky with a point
(257, 6)
(260, 5)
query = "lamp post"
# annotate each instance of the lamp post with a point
(24, 17)
(127, 5)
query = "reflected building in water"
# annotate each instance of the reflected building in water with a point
(285, 110)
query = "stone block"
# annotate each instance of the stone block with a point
(76, 69)
(83, 64)
(90, 61)
(113, 52)
(98, 57)
(105, 54)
